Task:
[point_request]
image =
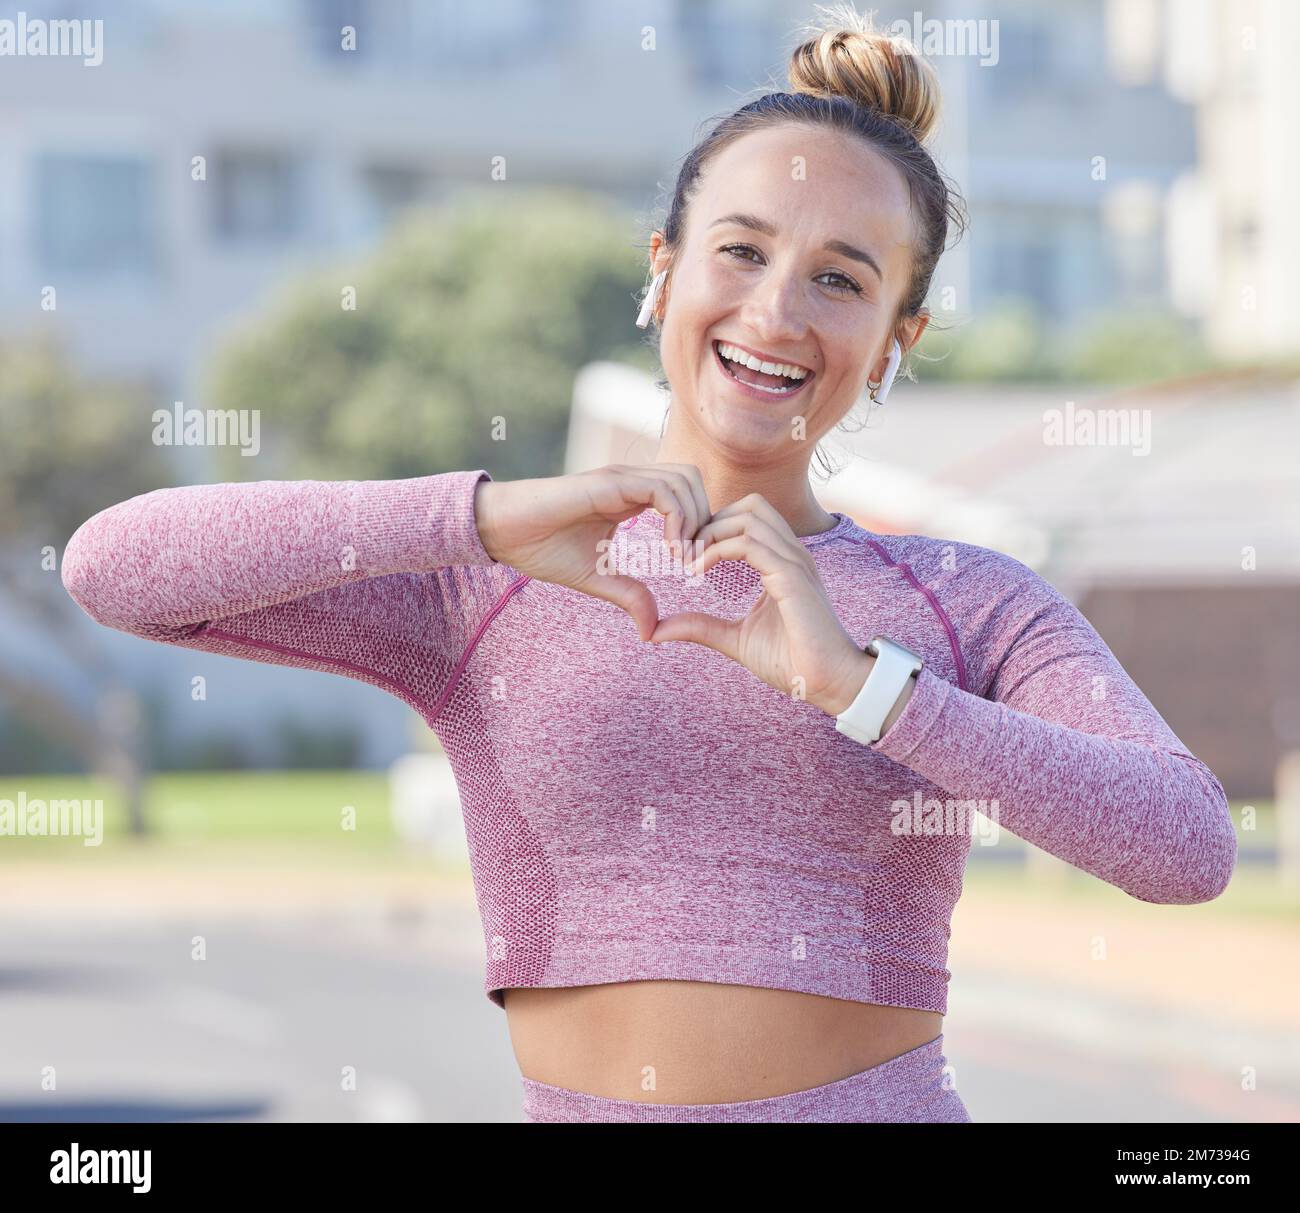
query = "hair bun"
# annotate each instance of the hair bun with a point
(846, 57)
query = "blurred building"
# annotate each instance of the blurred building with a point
(224, 146)
(1232, 239)
(309, 150)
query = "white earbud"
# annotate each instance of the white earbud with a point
(891, 369)
(652, 297)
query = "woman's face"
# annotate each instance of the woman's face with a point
(797, 250)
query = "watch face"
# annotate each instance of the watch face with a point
(874, 649)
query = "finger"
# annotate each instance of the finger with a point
(621, 492)
(681, 486)
(745, 547)
(760, 507)
(719, 634)
(683, 517)
(657, 490)
(749, 524)
(632, 596)
(695, 480)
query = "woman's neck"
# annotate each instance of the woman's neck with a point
(786, 489)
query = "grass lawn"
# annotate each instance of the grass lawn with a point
(295, 819)
(1254, 891)
(186, 807)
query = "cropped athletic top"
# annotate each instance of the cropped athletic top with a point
(638, 811)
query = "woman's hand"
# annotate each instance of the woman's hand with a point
(791, 639)
(549, 527)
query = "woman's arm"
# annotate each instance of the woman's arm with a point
(182, 556)
(344, 576)
(1079, 761)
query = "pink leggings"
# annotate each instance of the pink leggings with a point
(909, 1088)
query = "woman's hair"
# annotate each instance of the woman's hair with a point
(847, 76)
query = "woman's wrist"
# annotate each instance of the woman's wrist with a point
(899, 704)
(483, 514)
(851, 688)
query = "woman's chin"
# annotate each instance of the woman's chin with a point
(747, 425)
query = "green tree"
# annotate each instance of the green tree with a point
(69, 447)
(479, 310)
(1009, 343)
(1004, 344)
(1131, 347)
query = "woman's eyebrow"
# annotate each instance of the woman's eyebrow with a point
(843, 247)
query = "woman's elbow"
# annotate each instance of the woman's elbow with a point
(1196, 874)
(80, 571)
(1215, 875)
(92, 575)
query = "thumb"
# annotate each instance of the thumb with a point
(631, 595)
(699, 628)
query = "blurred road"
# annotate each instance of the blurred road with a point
(263, 1028)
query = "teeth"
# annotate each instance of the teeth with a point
(732, 354)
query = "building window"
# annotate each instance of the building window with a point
(426, 37)
(326, 20)
(94, 214)
(391, 189)
(255, 196)
(1025, 58)
(1025, 268)
(723, 40)
(506, 33)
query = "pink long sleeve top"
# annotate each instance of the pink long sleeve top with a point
(639, 811)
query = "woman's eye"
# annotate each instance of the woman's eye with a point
(747, 252)
(844, 283)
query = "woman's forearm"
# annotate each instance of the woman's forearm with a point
(1152, 821)
(179, 556)
(836, 703)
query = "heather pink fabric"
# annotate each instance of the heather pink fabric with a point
(640, 811)
(911, 1088)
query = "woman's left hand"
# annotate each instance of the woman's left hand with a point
(791, 638)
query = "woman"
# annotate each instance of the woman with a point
(705, 892)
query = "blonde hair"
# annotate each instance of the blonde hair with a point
(844, 56)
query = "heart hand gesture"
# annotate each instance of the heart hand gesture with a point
(791, 638)
(551, 527)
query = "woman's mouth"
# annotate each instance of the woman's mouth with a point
(780, 381)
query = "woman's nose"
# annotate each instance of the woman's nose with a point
(774, 307)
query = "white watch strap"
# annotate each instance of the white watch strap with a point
(864, 718)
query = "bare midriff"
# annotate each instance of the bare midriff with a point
(702, 1042)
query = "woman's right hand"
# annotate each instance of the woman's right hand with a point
(549, 527)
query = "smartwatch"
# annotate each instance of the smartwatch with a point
(895, 663)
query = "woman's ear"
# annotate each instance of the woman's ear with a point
(913, 327)
(658, 254)
(660, 260)
(907, 335)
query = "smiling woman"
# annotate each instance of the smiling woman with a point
(697, 904)
(804, 230)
